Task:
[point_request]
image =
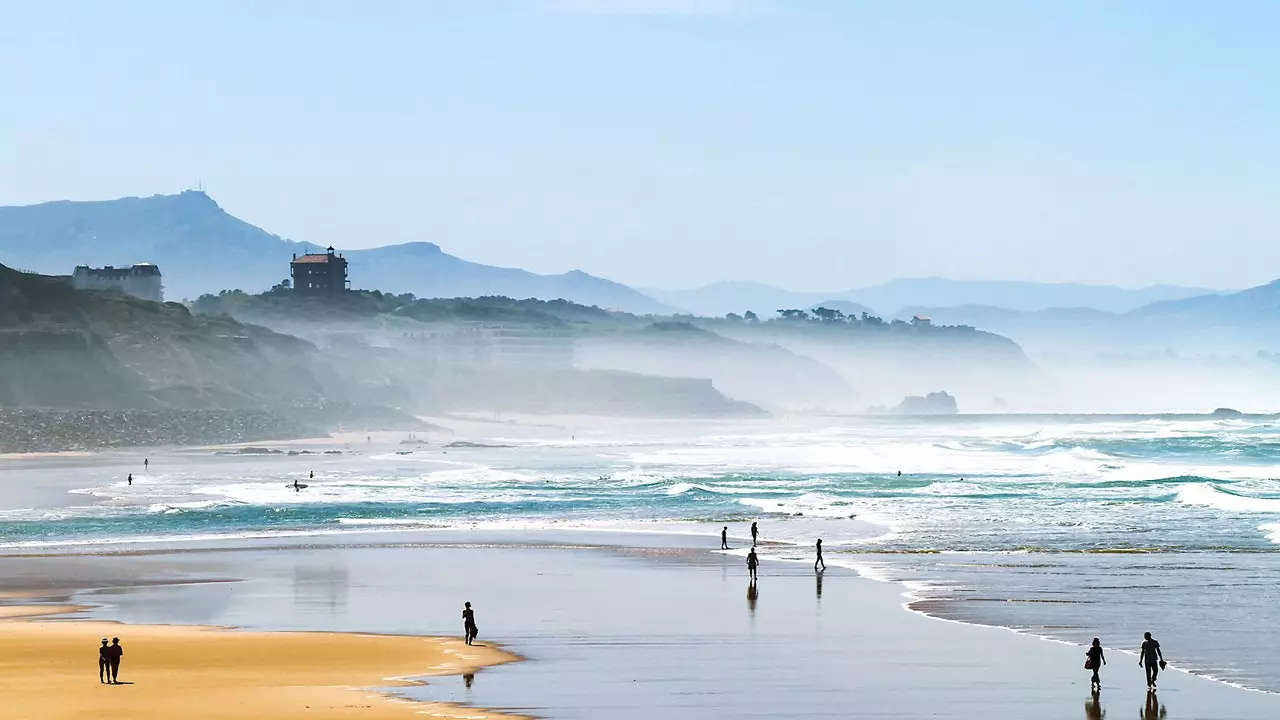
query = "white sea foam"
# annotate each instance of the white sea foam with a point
(1272, 530)
(1206, 495)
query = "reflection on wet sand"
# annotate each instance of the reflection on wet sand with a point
(818, 577)
(1154, 709)
(1093, 709)
(752, 594)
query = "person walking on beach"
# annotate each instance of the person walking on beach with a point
(104, 662)
(819, 560)
(115, 652)
(146, 463)
(724, 538)
(1151, 658)
(469, 628)
(754, 532)
(130, 479)
(753, 562)
(1095, 662)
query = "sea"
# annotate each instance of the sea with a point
(1063, 527)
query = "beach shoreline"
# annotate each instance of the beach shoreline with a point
(189, 671)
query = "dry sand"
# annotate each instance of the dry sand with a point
(48, 671)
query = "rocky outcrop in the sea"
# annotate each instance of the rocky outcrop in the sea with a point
(935, 403)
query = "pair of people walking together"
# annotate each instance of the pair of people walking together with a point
(1150, 657)
(109, 661)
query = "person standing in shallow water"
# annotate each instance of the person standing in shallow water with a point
(469, 623)
(104, 662)
(819, 560)
(130, 479)
(753, 562)
(1096, 660)
(754, 532)
(724, 538)
(1151, 659)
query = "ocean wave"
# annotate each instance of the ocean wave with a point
(1207, 495)
(809, 504)
(1272, 530)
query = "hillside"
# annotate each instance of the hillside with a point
(203, 249)
(892, 297)
(63, 348)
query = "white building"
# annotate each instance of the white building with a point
(141, 281)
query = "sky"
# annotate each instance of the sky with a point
(815, 145)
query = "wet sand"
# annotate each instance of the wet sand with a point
(48, 672)
(664, 627)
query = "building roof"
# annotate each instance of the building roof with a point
(315, 258)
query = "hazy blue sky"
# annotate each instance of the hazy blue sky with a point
(810, 144)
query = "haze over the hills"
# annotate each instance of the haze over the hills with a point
(201, 248)
(890, 297)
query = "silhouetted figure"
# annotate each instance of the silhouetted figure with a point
(146, 463)
(104, 662)
(753, 562)
(1093, 707)
(130, 479)
(312, 476)
(469, 623)
(899, 473)
(1151, 658)
(819, 561)
(468, 679)
(724, 538)
(754, 532)
(1153, 710)
(1095, 662)
(296, 486)
(752, 595)
(115, 652)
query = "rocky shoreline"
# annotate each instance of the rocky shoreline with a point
(38, 430)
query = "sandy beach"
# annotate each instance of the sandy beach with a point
(47, 671)
(614, 627)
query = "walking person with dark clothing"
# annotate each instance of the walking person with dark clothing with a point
(753, 562)
(1151, 658)
(724, 538)
(819, 560)
(469, 623)
(130, 479)
(104, 662)
(1096, 660)
(115, 652)
(754, 532)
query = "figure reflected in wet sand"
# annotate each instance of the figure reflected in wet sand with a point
(752, 595)
(724, 538)
(1151, 659)
(755, 531)
(753, 562)
(1093, 709)
(468, 679)
(469, 628)
(819, 561)
(1096, 659)
(104, 662)
(818, 577)
(1154, 709)
(114, 653)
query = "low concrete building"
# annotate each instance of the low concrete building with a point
(141, 281)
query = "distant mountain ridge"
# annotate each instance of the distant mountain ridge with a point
(892, 297)
(201, 248)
